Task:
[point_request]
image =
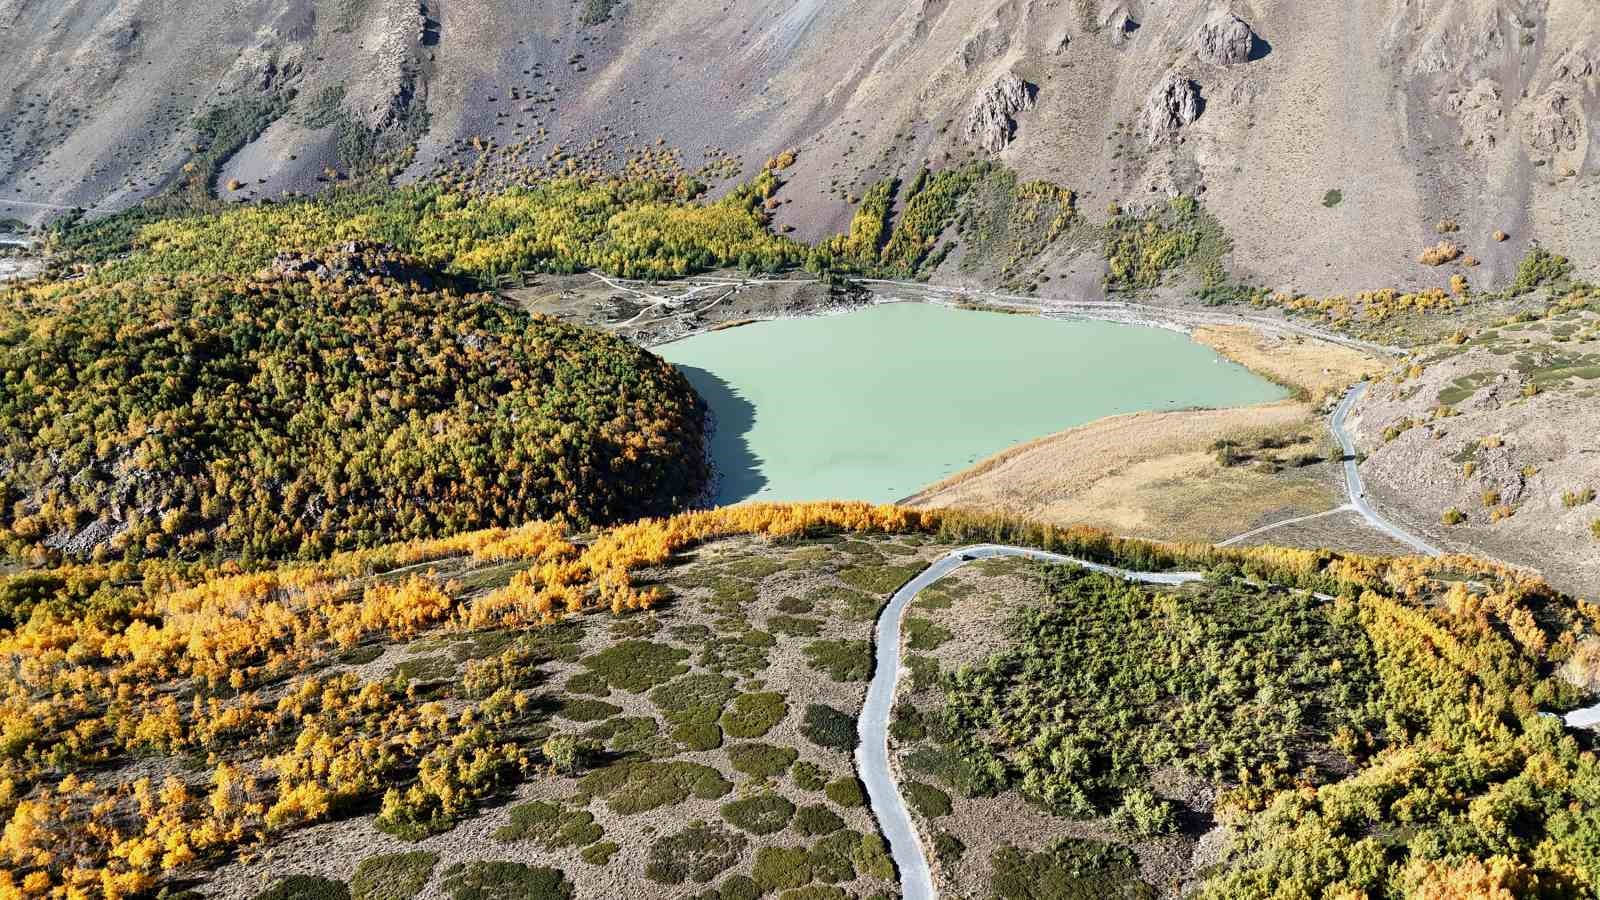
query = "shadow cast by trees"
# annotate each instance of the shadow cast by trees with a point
(738, 469)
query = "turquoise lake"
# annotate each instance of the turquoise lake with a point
(878, 403)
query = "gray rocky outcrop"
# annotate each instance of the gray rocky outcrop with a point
(990, 122)
(1556, 121)
(1120, 24)
(1224, 39)
(1172, 106)
(1478, 112)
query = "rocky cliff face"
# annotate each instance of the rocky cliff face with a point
(1173, 104)
(1476, 111)
(989, 122)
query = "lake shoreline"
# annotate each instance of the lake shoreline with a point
(934, 388)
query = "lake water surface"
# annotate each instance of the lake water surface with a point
(878, 403)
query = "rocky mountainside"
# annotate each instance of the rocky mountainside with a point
(1491, 443)
(1330, 139)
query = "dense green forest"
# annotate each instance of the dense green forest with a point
(327, 402)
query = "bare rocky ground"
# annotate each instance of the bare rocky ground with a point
(1501, 429)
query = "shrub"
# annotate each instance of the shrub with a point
(1594, 529)
(807, 776)
(872, 858)
(780, 868)
(816, 819)
(586, 709)
(847, 792)
(1333, 198)
(1071, 870)
(697, 736)
(1144, 815)
(1453, 516)
(927, 799)
(828, 727)
(305, 887)
(882, 580)
(393, 876)
(1440, 253)
(923, 634)
(486, 880)
(753, 715)
(636, 787)
(794, 626)
(598, 854)
(795, 605)
(1571, 499)
(550, 825)
(947, 848)
(843, 660)
(636, 666)
(761, 760)
(761, 814)
(1539, 268)
(692, 704)
(699, 853)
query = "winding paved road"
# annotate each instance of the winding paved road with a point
(872, 755)
(1352, 478)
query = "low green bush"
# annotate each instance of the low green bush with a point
(843, 660)
(1071, 870)
(923, 634)
(699, 853)
(761, 814)
(392, 876)
(584, 709)
(635, 787)
(550, 825)
(761, 760)
(496, 880)
(847, 792)
(753, 715)
(305, 887)
(926, 799)
(599, 854)
(882, 580)
(828, 727)
(816, 819)
(1144, 815)
(636, 666)
(808, 776)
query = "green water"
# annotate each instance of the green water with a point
(876, 404)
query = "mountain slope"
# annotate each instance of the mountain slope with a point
(1416, 113)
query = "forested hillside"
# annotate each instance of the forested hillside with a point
(329, 401)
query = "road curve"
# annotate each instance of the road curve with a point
(872, 754)
(1352, 478)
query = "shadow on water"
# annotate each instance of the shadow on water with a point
(738, 468)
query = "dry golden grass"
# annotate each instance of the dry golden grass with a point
(1154, 474)
(1314, 368)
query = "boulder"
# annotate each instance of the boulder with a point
(989, 123)
(1120, 24)
(1173, 104)
(1224, 39)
